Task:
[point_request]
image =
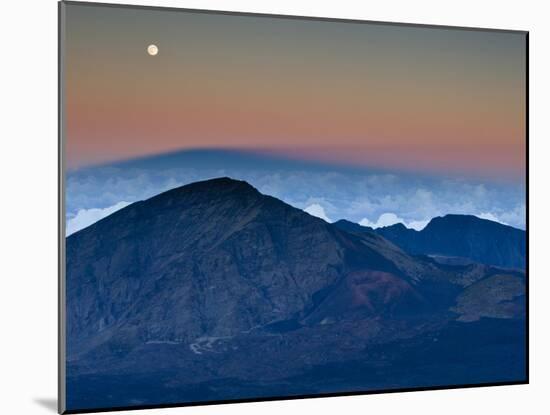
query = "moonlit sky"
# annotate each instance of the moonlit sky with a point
(401, 100)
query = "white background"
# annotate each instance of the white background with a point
(28, 204)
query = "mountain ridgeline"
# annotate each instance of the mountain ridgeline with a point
(455, 237)
(215, 291)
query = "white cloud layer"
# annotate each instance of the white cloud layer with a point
(388, 219)
(317, 210)
(87, 217)
(490, 216)
(329, 194)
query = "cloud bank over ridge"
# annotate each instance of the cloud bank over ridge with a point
(374, 198)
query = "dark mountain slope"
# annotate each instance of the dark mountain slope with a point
(215, 291)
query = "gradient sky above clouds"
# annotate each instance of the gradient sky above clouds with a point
(369, 94)
(446, 105)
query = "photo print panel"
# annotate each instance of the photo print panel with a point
(258, 207)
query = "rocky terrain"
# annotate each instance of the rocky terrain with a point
(214, 291)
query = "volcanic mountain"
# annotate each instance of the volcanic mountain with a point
(218, 258)
(214, 291)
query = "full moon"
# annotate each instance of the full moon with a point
(152, 50)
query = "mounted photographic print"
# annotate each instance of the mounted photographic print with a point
(258, 207)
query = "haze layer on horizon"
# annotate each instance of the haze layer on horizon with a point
(435, 100)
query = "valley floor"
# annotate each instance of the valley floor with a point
(268, 365)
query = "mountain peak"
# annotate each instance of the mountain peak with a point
(349, 226)
(219, 183)
(217, 187)
(398, 225)
(453, 219)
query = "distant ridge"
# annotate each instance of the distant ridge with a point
(464, 236)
